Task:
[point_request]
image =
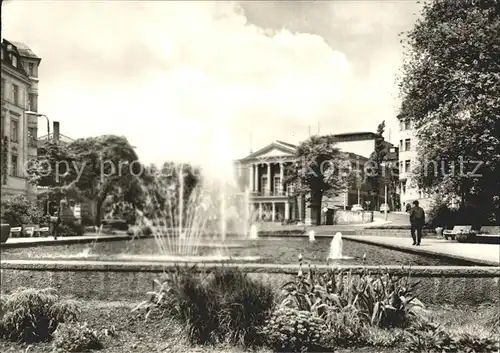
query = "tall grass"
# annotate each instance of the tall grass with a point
(222, 306)
(32, 315)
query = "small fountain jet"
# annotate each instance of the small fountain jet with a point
(336, 249)
(253, 232)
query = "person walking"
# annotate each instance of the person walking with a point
(417, 222)
(56, 221)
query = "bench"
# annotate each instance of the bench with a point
(458, 230)
(16, 231)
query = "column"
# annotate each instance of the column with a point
(256, 178)
(260, 211)
(250, 177)
(268, 191)
(274, 212)
(287, 211)
(282, 174)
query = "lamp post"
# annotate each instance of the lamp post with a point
(28, 112)
(384, 165)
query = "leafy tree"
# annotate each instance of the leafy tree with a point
(18, 210)
(319, 171)
(163, 190)
(375, 174)
(449, 88)
(52, 169)
(107, 165)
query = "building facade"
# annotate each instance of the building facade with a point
(19, 79)
(409, 190)
(272, 199)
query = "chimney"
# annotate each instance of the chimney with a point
(55, 135)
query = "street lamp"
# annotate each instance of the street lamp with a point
(28, 112)
(385, 190)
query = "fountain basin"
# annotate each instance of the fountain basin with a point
(269, 250)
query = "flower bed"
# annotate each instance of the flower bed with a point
(344, 313)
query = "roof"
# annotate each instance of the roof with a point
(62, 137)
(24, 50)
(291, 145)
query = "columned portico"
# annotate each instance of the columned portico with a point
(266, 182)
(255, 176)
(269, 180)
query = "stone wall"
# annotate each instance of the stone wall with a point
(130, 281)
(350, 217)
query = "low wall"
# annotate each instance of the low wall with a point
(131, 280)
(350, 217)
(392, 232)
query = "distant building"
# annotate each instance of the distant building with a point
(19, 91)
(263, 173)
(409, 191)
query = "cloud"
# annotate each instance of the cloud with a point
(186, 80)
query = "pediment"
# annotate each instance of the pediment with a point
(273, 150)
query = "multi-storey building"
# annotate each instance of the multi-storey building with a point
(409, 190)
(19, 130)
(263, 174)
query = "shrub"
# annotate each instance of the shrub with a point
(32, 315)
(346, 328)
(18, 210)
(378, 337)
(245, 305)
(293, 330)
(75, 337)
(350, 303)
(224, 306)
(379, 299)
(119, 224)
(427, 336)
(70, 230)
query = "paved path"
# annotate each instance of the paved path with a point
(62, 240)
(476, 252)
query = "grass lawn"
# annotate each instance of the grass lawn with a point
(130, 333)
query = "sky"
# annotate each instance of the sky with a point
(209, 81)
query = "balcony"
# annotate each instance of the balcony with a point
(266, 193)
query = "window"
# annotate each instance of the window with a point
(407, 166)
(14, 130)
(407, 124)
(31, 69)
(407, 145)
(32, 132)
(13, 165)
(403, 187)
(264, 184)
(401, 145)
(15, 94)
(32, 102)
(14, 60)
(401, 125)
(277, 186)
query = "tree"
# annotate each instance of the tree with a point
(51, 169)
(375, 177)
(319, 171)
(167, 187)
(18, 210)
(106, 165)
(449, 88)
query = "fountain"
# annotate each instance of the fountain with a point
(336, 247)
(185, 221)
(253, 232)
(312, 236)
